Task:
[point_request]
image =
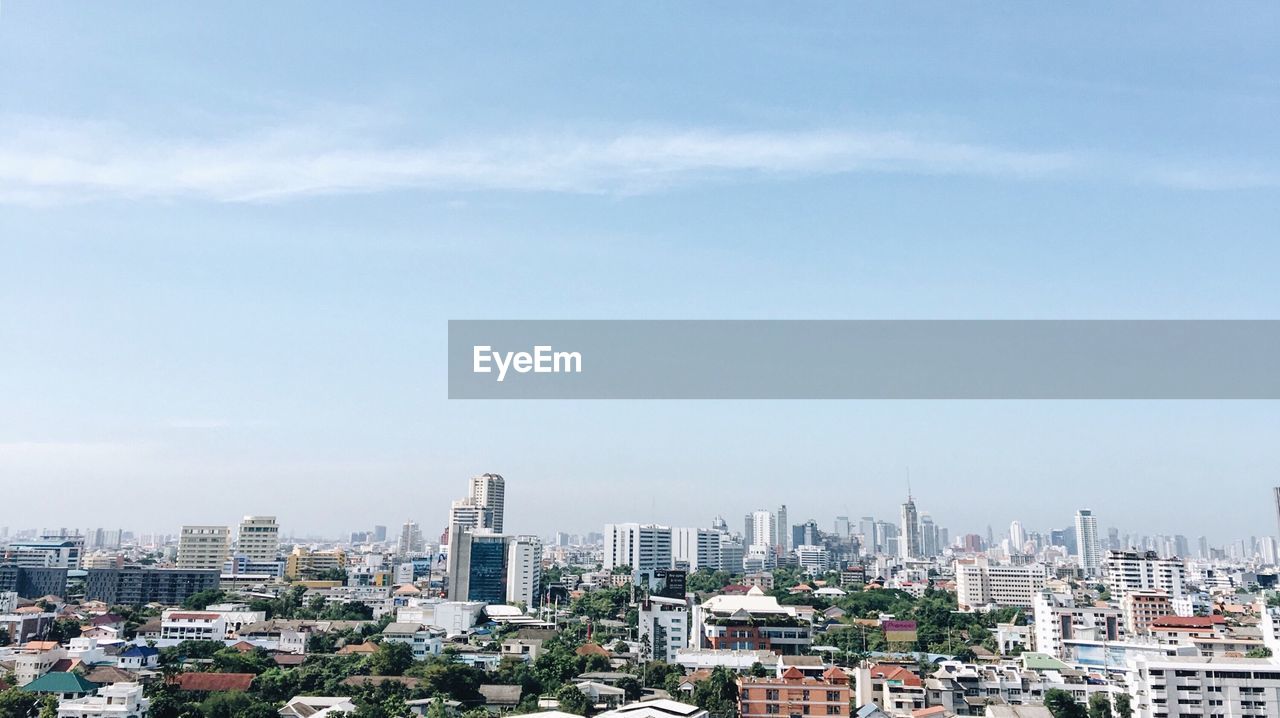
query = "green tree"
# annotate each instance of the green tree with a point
(573, 700)
(392, 658)
(632, 687)
(1062, 705)
(1099, 706)
(203, 599)
(1124, 706)
(16, 704)
(718, 695)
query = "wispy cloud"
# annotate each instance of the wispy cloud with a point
(44, 161)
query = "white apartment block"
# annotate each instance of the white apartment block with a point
(980, 584)
(643, 547)
(764, 529)
(1058, 619)
(1128, 571)
(1088, 547)
(1185, 686)
(664, 627)
(258, 539)
(489, 491)
(813, 559)
(204, 547)
(119, 700)
(524, 570)
(698, 548)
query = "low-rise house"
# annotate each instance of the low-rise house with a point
(136, 658)
(602, 695)
(317, 707)
(63, 685)
(213, 682)
(121, 700)
(424, 640)
(657, 708)
(524, 649)
(501, 699)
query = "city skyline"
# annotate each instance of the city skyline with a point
(229, 250)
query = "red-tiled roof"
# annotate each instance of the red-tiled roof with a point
(792, 674)
(895, 673)
(213, 682)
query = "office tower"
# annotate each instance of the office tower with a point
(643, 547)
(871, 538)
(1089, 552)
(489, 491)
(467, 515)
(697, 548)
(842, 527)
(805, 534)
(411, 542)
(51, 550)
(909, 541)
(258, 539)
(781, 539)
(887, 537)
(1017, 537)
(379, 533)
(719, 524)
(1203, 544)
(478, 565)
(204, 547)
(764, 529)
(928, 537)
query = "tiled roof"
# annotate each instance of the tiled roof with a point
(213, 682)
(61, 682)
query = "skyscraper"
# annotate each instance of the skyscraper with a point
(782, 539)
(1017, 537)
(204, 547)
(1088, 550)
(489, 491)
(764, 529)
(411, 542)
(909, 544)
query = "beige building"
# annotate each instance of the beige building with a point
(204, 547)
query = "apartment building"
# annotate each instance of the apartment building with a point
(204, 547)
(794, 695)
(815, 560)
(1128, 571)
(138, 585)
(664, 627)
(694, 549)
(258, 539)
(303, 562)
(33, 582)
(642, 547)
(524, 571)
(981, 584)
(1185, 686)
(50, 551)
(1058, 619)
(1141, 608)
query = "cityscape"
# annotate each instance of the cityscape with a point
(462, 614)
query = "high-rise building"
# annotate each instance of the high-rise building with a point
(258, 538)
(763, 529)
(379, 533)
(1017, 537)
(643, 547)
(930, 543)
(871, 538)
(489, 491)
(842, 527)
(204, 547)
(664, 627)
(477, 566)
(781, 539)
(979, 584)
(697, 548)
(909, 544)
(138, 585)
(51, 550)
(805, 534)
(467, 515)
(411, 542)
(524, 570)
(1089, 551)
(1129, 571)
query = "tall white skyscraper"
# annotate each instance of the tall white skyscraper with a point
(764, 529)
(698, 548)
(411, 542)
(258, 538)
(909, 543)
(1017, 537)
(489, 491)
(1087, 548)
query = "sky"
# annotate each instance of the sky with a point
(231, 236)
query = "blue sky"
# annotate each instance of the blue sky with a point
(231, 236)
